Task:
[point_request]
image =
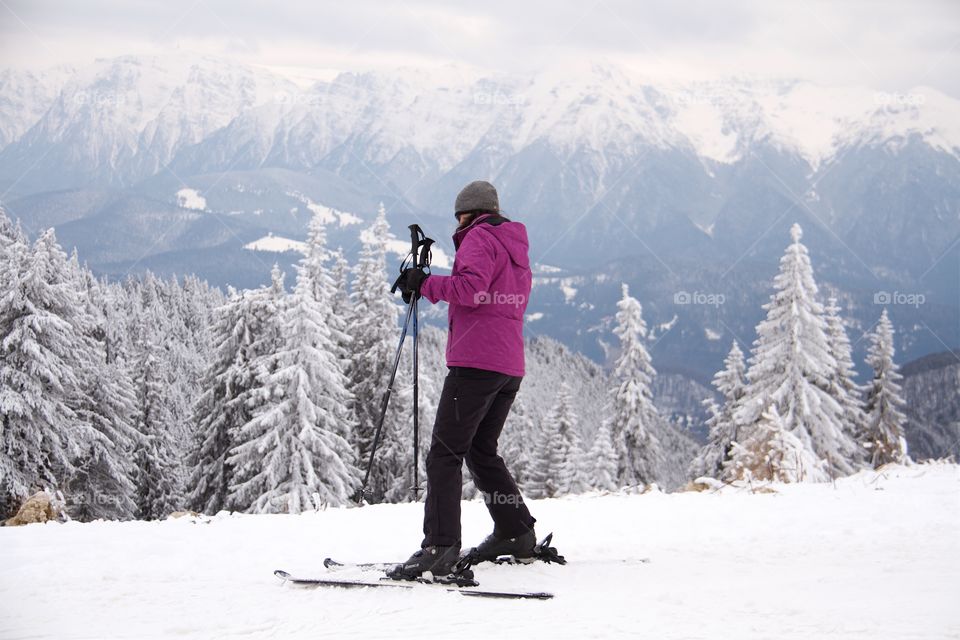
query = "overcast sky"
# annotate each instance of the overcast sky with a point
(888, 46)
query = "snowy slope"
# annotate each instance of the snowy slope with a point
(724, 119)
(872, 557)
(124, 118)
(25, 96)
(276, 244)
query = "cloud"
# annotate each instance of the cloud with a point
(885, 45)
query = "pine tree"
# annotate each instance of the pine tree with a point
(186, 351)
(603, 459)
(770, 452)
(574, 475)
(158, 480)
(102, 485)
(731, 384)
(373, 327)
(432, 356)
(515, 442)
(883, 433)
(41, 434)
(293, 454)
(842, 386)
(325, 290)
(341, 306)
(558, 467)
(393, 467)
(791, 365)
(634, 415)
(546, 462)
(221, 409)
(238, 394)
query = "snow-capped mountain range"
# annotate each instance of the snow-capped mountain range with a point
(124, 118)
(672, 187)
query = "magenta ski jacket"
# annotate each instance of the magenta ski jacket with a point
(487, 290)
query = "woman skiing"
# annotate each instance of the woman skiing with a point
(487, 293)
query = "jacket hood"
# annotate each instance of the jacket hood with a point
(511, 235)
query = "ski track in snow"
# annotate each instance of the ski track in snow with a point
(873, 557)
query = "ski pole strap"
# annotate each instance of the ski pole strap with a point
(396, 283)
(425, 254)
(419, 256)
(420, 247)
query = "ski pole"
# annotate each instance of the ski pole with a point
(420, 257)
(422, 262)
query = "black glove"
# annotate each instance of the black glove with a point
(410, 281)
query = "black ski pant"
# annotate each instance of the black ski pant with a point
(473, 406)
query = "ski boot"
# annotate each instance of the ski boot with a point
(435, 560)
(521, 548)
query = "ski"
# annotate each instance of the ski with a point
(336, 565)
(412, 584)
(543, 552)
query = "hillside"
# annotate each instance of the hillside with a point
(931, 389)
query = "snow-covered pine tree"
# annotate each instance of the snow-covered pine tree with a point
(842, 386)
(186, 351)
(574, 474)
(603, 460)
(791, 364)
(103, 485)
(158, 479)
(341, 305)
(546, 462)
(883, 433)
(327, 272)
(292, 455)
(257, 336)
(318, 267)
(730, 382)
(397, 453)
(40, 432)
(772, 453)
(558, 466)
(517, 442)
(216, 414)
(373, 326)
(634, 414)
(11, 235)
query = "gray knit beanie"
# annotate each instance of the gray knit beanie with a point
(478, 195)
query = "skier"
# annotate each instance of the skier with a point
(487, 292)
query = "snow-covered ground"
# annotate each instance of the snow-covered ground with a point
(874, 556)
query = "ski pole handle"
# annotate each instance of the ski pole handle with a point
(416, 235)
